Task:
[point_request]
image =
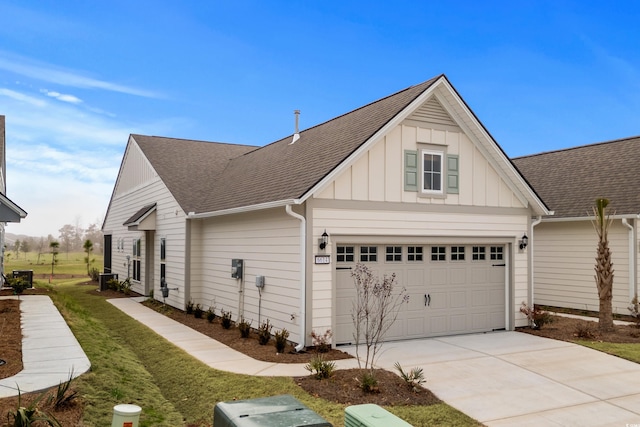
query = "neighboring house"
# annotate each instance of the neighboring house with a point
(9, 211)
(411, 184)
(569, 181)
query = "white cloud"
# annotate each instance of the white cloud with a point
(62, 97)
(21, 97)
(49, 73)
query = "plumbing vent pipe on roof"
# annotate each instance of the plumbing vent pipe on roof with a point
(296, 135)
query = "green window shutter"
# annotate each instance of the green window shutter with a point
(410, 170)
(453, 172)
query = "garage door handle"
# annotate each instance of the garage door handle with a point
(498, 265)
(427, 300)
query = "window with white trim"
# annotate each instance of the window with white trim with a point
(137, 263)
(497, 253)
(479, 253)
(345, 254)
(438, 253)
(432, 171)
(414, 253)
(457, 253)
(394, 253)
(368, 253)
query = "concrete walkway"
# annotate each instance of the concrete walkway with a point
(50, 352)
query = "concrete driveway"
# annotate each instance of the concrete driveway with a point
(512, 378)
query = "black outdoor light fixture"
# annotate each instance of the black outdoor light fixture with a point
(324, 240)
(524, 241)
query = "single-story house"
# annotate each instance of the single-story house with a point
(411, 184)
(564, 250)
(9, 211)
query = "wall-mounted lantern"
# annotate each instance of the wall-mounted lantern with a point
(324, 239)
(524, 241)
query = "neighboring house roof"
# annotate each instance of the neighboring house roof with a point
(9, 211)
(208, 177)
(569, 181)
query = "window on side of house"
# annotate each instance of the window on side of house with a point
(479, 253)
(432, 171)
(137, 263)
(496, 253)
(438, 253)
(345, 254)
(393, 253)
(368, 253)
(457, 253)
(414, 253)
(163, 248)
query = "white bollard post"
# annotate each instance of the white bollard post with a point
(126, 415)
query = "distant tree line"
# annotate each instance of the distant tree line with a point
(72, 238)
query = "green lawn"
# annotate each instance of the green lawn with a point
(131, 364)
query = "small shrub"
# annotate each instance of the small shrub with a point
(125, 286)
(537, 318)
(585, 330)
(63, 396)
(190, 306)
(322, 343)
(264, 333)
(414, 378)
(28, 416)
(634, 309)
(94, 273)
(281, 340)
(114, 285)
(18, 284)
(369, 382)
(320, 368)
(226, 319)
(198, 312)
(211, 315)
(244, 327)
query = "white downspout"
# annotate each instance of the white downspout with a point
(531, 246)
(303, 275)
(632, 261)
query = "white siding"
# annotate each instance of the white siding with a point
(564, 261)
(378, 174)
(170, 224)
(269, 244)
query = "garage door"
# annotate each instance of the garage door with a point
(453, 289)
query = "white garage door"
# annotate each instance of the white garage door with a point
(453, 289)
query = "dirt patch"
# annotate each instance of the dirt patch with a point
(10, 338)
(570, 329)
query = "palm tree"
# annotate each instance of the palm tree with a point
(604, 266)
(54, 256)
(88, 248)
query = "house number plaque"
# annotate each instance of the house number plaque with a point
(323, 259)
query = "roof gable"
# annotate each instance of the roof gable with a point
(570, 180)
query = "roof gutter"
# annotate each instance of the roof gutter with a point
(243, 209)
(303, 275)
(632, 259)
(535, 222)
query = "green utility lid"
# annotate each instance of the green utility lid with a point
(280, 411)
(370, 415)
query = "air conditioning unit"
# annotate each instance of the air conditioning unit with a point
(370, 415)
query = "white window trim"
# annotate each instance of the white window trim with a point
(422, 171)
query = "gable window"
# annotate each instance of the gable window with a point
(368, 253)
(479, 253)
(394, 253)
(457, 253)
(438, 253)
(345, 254)
(431, 171)
(496, 253)
(414, 253)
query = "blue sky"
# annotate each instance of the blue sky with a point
(76, 78)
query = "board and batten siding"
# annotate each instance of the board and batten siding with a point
(564, 262)
(378, 174)
(135, 189)
(392, 226)
(269, 243)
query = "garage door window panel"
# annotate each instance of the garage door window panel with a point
(457, 253)
(368, 253)
(497, 253)
(345, 254)
(393, 253)
(438, 253)
(479, 253)
(414, 253)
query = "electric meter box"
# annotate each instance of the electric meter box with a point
(236, 268)
(278, 411)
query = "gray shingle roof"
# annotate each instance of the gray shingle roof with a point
(202, 177)
(570, 180)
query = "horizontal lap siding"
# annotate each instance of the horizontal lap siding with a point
(269, 244)
(170, 222)
(564, 261)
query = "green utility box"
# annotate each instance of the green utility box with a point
(370, 415)
(280, 411)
